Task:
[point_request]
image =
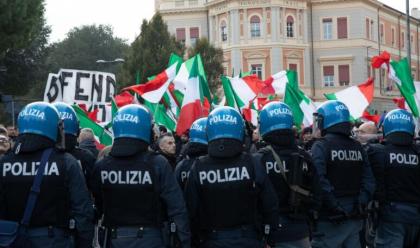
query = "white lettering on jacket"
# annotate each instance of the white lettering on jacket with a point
(25, 169)
(225, 175)
(347, 155)
(126, 177)
(403, 159)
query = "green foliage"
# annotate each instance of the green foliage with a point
(20, 22)
(24, 67)
(212, 60)
(150, 52)
(83, 46)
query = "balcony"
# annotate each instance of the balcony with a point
(181, 5)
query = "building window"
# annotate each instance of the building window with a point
(223, 31)
(327, 27)
(328, 76)
(367, 29)
(294, 67)
(180, 35)
(257, 70)
(402, 40)
(393, 36)
(179, 3)
(342, 27)
(382, 33)
(372, 34)
(255, 26)
(289, 26)
(343, 75)
(194, 35)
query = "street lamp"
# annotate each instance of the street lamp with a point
(117, 60)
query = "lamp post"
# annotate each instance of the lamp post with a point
(109, 64)
(117, 60)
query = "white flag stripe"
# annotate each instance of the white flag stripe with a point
(241, 88)
(308, 109)
(155, 96)
(354, 99)
(279, 82)
(181, 79)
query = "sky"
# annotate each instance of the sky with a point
(125, 16)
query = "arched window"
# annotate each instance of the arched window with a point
(255, 26)
(289, 28)
(223, 31)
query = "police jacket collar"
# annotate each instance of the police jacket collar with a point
(125, 147)
(31, 143)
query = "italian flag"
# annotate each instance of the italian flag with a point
(356, 98)
(252, 111)
(102, 136)
(153, 90)
(240, 92)
(184, 73)
(276, 84)
(161, 115)
(301, 105)
(400, 73)
(192, 104)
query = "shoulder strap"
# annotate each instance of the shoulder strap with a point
(279, 163)
(294, 188)
(36, 187)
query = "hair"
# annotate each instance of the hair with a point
(104, 152)
(3, 130)
(86, 134)
(164, 136)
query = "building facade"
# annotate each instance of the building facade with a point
(328, 42)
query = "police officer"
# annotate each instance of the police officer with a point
(225, 187)
(345, 176)
(132, 185)
(71, 131)
(397, 171)
(63, 197)
(196, 147)
(292, 174)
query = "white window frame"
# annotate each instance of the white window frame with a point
(290, 28)
(225, 29)
(261, 69)
(328, 81)
(253, 31)
(327, 34)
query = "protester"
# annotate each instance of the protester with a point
(87, 141)
(167, 148)
(4, 145)
(367, 133)
(307, 139)
(104, 152)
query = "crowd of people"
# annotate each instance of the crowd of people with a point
(223, 184)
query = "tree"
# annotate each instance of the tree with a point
(23, 67)
(150, 51)
(19, 23)
(83, 46)
(212, 60)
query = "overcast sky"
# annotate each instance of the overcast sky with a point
(125, 16)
